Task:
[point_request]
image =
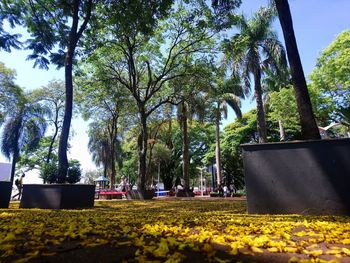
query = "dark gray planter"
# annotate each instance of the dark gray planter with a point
(5, 194)
(306, 177)
(57, 196)
(140, 195)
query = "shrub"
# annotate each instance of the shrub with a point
(49, 173)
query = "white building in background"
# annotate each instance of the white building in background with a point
(5, 171)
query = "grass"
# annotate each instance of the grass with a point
(214, 230)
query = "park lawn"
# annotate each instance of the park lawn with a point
(213, 230)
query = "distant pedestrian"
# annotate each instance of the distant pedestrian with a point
(221, 191)
(19, 185)
(225, 188)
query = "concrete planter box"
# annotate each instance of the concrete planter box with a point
(5, 194)
(57, 196)
(140, 195)
(306, 177)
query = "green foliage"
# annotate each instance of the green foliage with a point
(10, 93)
(7, 40)
(331, 80)
(74, 172)
(51, 97)
(240, 131)
(23, 129)
(34, 159)
(254, 52)
(279, 110)
(332, 73)
(167, 153)
(50, 33)
(49, 173)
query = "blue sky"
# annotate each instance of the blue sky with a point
(316, 23)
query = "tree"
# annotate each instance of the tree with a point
(56, 29)
(231, 97)
(143, 62)
(251, 52)
(307, 120)
(52, 97)
(274, 83)
(105, 147)
(7, 41)
(167, 159)
(192, 103)
(344, 114)
(107, 105)
(278, 109)
(242, 130)
(332, 75)
(91, 175)
(23, 128)
(10, 93)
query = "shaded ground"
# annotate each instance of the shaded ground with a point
(170, 230)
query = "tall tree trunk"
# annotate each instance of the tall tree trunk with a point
(217, 148)
(185, 148)
(309, 127)
(142, 148)
(113, 141)
(63, 144)
(260, 113)
(112, 160)
(74, 36)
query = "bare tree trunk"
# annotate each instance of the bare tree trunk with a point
(112, 166)
(260, 113)
(309, 128)
(217, 148)
(142, 148)
(282, 131)
(185, 148)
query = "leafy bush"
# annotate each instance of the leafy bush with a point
(74, 174)
(49, 173)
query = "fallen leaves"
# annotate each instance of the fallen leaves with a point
(172, 231)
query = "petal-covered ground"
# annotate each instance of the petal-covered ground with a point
(170, 230)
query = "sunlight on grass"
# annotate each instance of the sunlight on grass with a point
(172, 231)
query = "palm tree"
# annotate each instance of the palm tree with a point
(224, 93)
(253, 51)
(98, 147)
(23, 129)
(190, 106)
(105, 148)
(309, 127)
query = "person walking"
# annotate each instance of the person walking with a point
(19, 185)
